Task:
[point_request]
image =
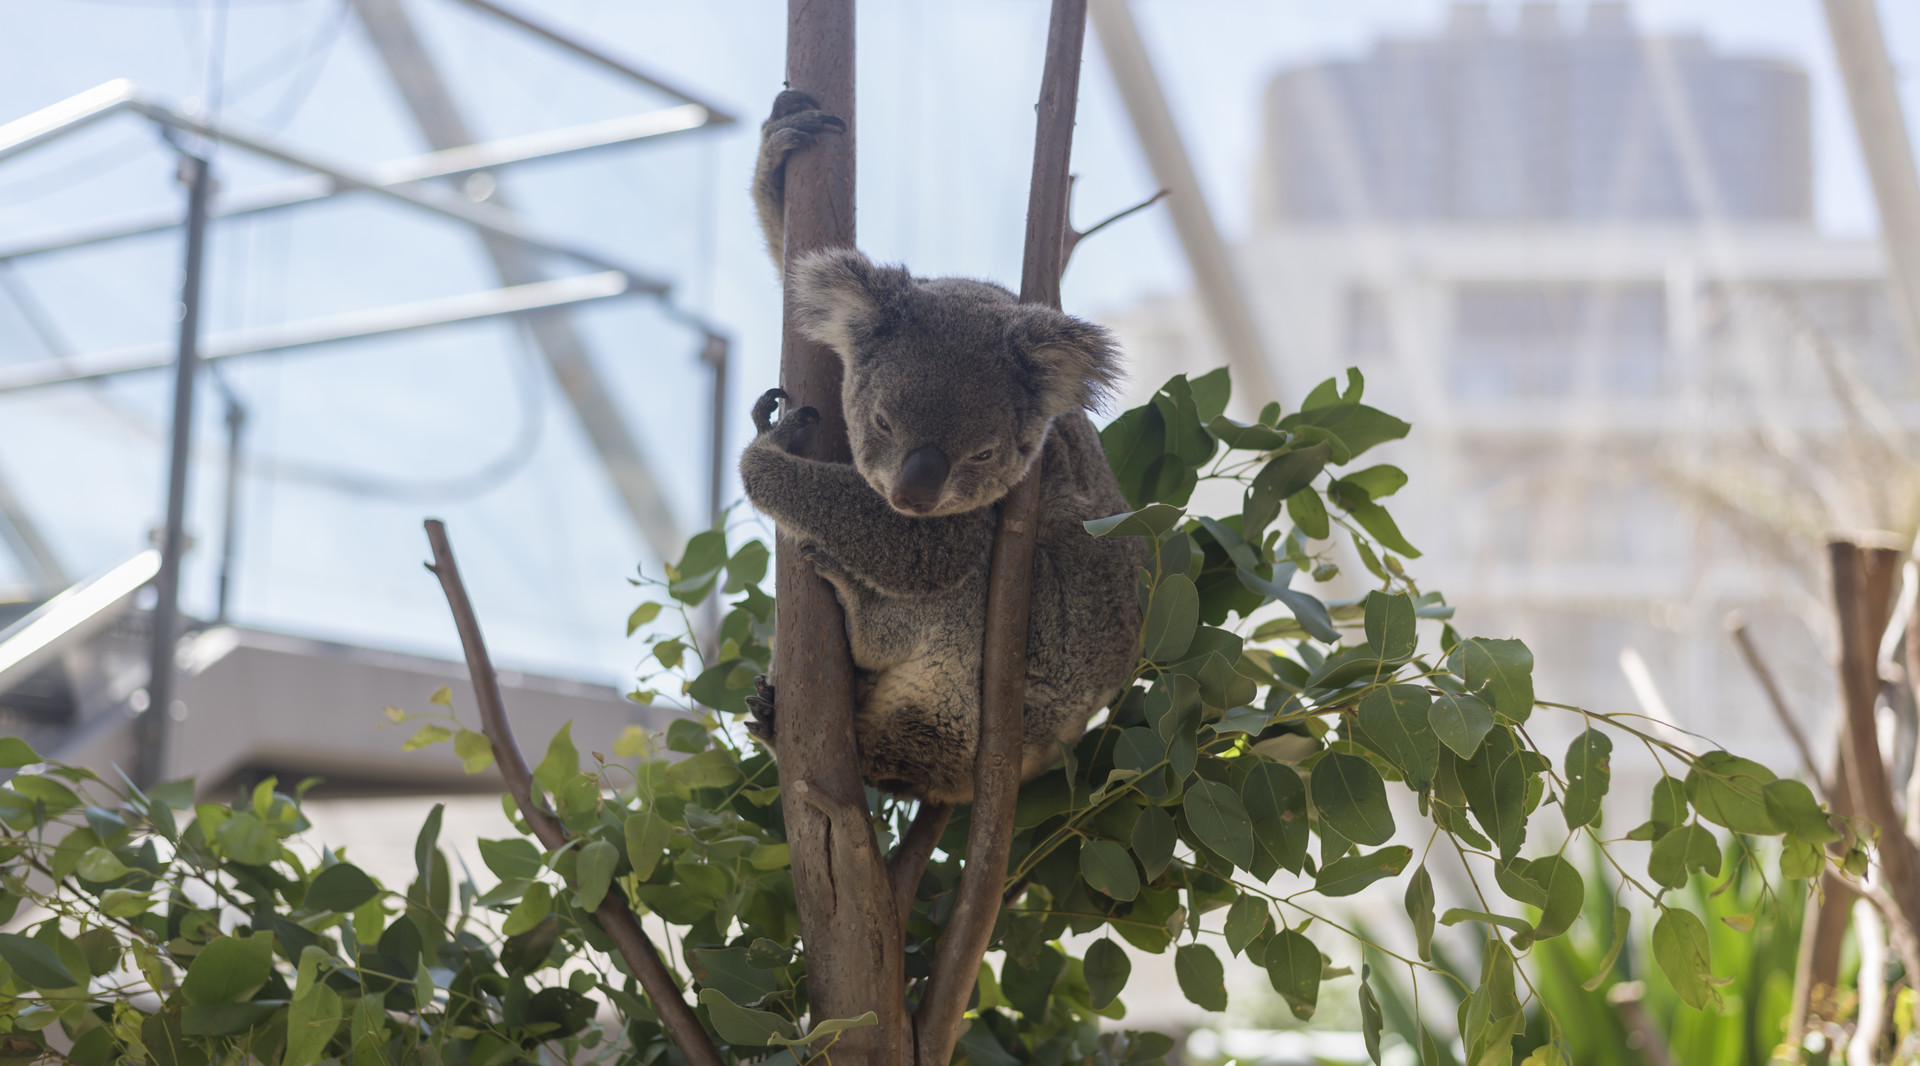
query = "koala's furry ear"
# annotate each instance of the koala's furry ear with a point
(1071, 363)
(841, 295)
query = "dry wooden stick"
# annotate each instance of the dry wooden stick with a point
(613, 914)
(1737, 625)
(996, 773)
(909, 860)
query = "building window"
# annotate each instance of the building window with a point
(1554, 340)
(1367, 336)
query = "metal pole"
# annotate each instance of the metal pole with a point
(1874, 98)
(1214, 279)
(236, 425)
(150, 758)
(714, 354)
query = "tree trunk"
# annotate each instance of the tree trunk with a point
(855, 961)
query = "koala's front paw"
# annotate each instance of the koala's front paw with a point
(760, 706)
(789, 434)
(821, 563)
(796, 120)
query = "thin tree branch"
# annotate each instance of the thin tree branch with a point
(996, 774)
(613, 914)
(909, 860)
(1737, 625)
(1074, 236)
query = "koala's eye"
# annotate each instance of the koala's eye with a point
(881, 421)
(980, 457)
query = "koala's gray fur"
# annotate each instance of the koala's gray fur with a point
(949, 389)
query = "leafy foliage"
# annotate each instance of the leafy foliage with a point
(1247, 768)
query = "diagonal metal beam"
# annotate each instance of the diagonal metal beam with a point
(311, 188)
(432, 106)
(592, 54)
(326, 329)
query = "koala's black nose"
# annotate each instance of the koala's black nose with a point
(921, 477)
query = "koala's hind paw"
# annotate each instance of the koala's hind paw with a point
(760, 707)
(795, 121)
(764, 407)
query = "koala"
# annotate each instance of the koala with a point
(953, 391)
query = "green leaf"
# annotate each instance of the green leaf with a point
(1239, 435)
(594, 872)
(1201, 976)
(223, 1019)
(1173, 613)
(1495, 784)
(693, 577)
(1399, 719)
(244, 840)
(1372, 1021)
(1589, 771)
(1729, 791)
(1344, 877)
(828, 1028)
(1419, 902)
(1210, 393)
(1680, 947)
(1107, 968)
(230, 969)
(1220, 821)
(1378, 482)
(743, 1026)
(442, 696)
(747, 567)
(642, 615)
(1390, 621)
(1380, 526)
(1293, 967)
(1108, 868)
(15, 753)
(1276, 805)
(1030, 988)
(342, 887)
(1153, 839)
(1246, 920)
(528, 913)
(562, 762)
(513, 859)
(1552, 884)
(311, 1022)
(99, 865)
(1791, 806)
(1667, 861)
(713, 768)
(1621, 916)
(1152, 520)
(1285, 475)
(646, 835)
(1351, 797)
(1309, 512)
(35, 963)
(1460, 722)
(1500, 670)
(474, 750)
(427, 736)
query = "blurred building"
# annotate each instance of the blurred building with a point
(1582, 261)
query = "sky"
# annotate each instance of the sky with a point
(350, 446)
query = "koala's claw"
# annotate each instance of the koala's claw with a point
(796, 121)
(760, 706)
(764, 407)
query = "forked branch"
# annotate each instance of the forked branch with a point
(613, 914)
(996, 772)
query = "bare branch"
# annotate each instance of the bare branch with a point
(1737, 625)
(956, 965)
(1074, 236)
(910, 859)
(613, 915)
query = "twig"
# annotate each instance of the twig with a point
(909, 860)
(613, 915)
(1737, 625)
(1074, 236)
(996, 774)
